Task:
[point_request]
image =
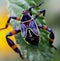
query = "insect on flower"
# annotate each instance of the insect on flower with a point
(29, 29)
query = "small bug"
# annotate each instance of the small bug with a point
(29, 29)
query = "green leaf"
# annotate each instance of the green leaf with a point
(42, 52)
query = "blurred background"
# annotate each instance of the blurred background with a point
(52, 20)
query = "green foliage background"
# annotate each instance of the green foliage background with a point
(42, 52)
